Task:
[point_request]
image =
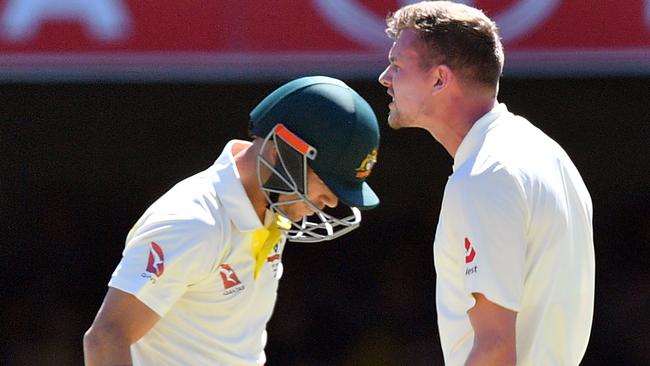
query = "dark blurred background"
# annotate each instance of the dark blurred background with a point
(80, 162)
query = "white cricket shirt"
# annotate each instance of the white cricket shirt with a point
(516, 226)
(189, 259)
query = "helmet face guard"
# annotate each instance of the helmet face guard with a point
(288, 176)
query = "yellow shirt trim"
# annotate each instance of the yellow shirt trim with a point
(265, 238)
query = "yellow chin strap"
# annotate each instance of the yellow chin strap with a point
(265, 238)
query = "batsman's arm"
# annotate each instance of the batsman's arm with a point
(121, 320)
(494, 334)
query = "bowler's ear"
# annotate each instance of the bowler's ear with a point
(441, 76)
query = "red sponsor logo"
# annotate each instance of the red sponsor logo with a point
(156, 263)
(271, 258)
(228, 276)
(470, 253)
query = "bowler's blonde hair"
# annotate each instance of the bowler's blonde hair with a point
(456, 35)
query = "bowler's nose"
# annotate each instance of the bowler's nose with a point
(384, 78)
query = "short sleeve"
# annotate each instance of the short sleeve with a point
(489, 220)
(161, 259)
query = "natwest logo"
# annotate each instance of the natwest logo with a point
(470, 253)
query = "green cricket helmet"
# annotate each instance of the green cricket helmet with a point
(320, 122)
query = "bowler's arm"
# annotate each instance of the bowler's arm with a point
(494, 334)
(122, 320)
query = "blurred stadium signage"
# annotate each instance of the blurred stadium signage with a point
(43, 40)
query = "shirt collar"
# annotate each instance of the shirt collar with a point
(231, 192)
(476, 134)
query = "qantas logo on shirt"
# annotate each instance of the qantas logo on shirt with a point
(156, 263)
(228, 276)
(470, 253)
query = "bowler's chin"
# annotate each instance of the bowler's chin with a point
(394, 120)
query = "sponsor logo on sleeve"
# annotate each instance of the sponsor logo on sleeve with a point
(470, 254)
(155, 263)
